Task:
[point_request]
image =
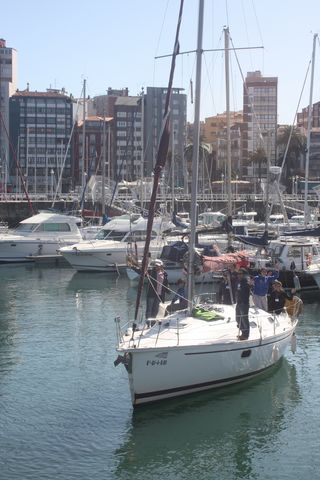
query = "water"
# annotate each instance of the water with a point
(65, 410)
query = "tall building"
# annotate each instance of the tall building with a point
(103, 105)
(8, 82)
(128, 140)
(40, 130)
(260, 100)
(98, 134)
(302, 117)
(153, 119)
(221, 150)
(213, 126)
(302, 123)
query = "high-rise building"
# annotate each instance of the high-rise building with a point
(98, 148)
(40, 130)
(302, 124)
(259, 115)
(128, 138)
(302, 117)
(153, 123)
(8, 81)
(103, 105)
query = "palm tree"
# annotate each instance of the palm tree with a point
(294, 141)
(258, 158)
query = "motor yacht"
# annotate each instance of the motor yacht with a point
(40, 235)
(108, 251)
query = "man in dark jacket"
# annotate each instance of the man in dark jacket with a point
(157, 286)
(278, 298)
(242, 294)
(179, 301)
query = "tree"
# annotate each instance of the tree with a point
(296, 149)
(258, 158)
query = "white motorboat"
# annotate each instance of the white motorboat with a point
(298, 260)
(108, 251)
(40, 235)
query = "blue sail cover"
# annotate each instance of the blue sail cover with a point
(307, 232)
(255, 241)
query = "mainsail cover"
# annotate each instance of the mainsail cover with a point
(262, 241)
(307, 232)
(224, 261)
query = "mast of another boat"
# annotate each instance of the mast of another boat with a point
(103, 172)
(306, 176)
(142, 151)
(195, 158)
(228, 181)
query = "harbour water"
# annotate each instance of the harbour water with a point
(65, 410)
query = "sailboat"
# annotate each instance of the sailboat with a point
(198, 348)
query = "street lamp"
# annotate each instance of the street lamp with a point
(237, 185)
(222, 183)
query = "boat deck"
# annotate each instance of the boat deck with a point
(180, 329)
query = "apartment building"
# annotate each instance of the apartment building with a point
(128, 138)
(88, 156)
(154, 104)
(40, 130)
(260, 107)
(8, 82)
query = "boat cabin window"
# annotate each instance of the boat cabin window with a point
(139, 235)
(53, 227)
(105, 234)
(276, 250)
(26, 227)
(294, 252)
(315, 250)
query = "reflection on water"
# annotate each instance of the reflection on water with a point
(95, 281)
(216, 430)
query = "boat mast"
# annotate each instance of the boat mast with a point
(83, 135)
(306, 177)
(103, 171)
(195, 157)
(228, 180)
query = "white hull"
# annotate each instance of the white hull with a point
(165, 370)
(103, 256)
(40, 235)
(174, 274)
(23, 250)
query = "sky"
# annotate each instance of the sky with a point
(113, 43)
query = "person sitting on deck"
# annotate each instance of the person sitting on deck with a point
(278, 298)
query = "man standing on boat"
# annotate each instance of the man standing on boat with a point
(179, 301)
(157, 286)
(261, 285)
(242, 293)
